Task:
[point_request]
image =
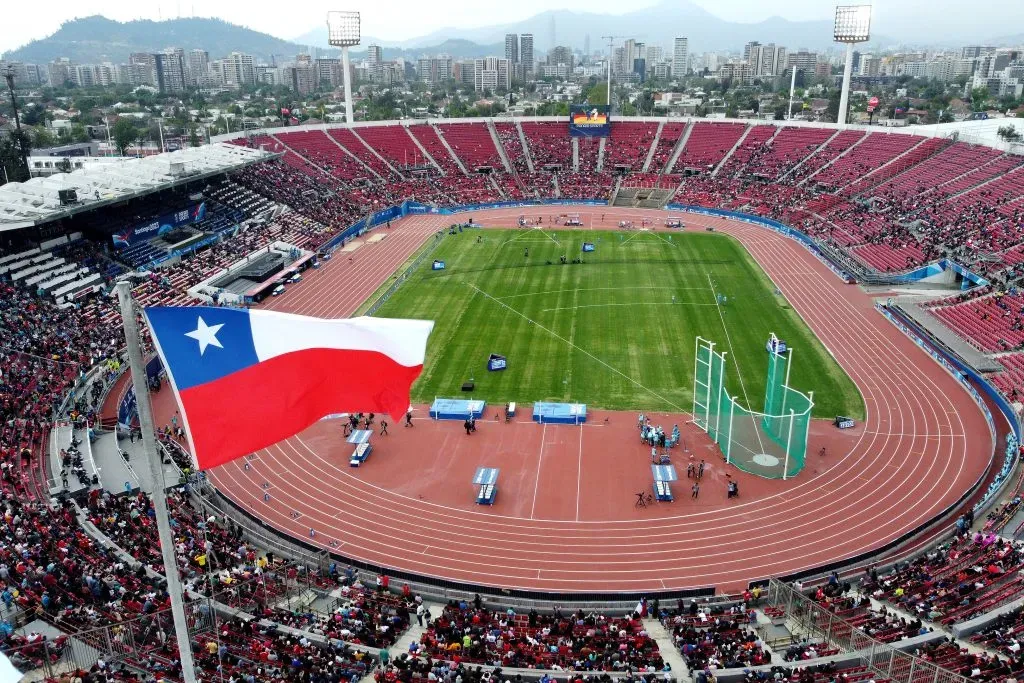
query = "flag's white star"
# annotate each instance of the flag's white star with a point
(206, 335)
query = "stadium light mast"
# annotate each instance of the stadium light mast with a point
(853, 25)
(343, 32)
(611, 45)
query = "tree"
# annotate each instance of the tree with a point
(125, 135)
(41, 138)
(979, 97)
(1009, 133)
(10, 155)
(79, 133)
(832, 110)
(597, 94)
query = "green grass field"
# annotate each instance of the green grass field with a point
(614, 332)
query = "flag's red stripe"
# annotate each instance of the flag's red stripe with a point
(272, 400)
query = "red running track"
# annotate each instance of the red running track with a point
(564, 519)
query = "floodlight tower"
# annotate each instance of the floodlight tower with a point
(611, 45)
(343, 32)
(853, 25)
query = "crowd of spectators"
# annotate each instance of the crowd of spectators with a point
(467, 632)
(50, 566)
(972, 574)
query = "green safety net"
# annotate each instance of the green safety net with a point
(770, 444)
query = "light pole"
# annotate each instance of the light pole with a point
(792, 90)
(611, 44)
(343, 32)
(9, 77)
(853, 25)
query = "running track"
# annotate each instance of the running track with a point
(923, 445)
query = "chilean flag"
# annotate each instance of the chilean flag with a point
(248, 379)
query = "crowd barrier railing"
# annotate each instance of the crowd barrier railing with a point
(814, 621)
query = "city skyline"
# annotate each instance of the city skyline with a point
(405, 20)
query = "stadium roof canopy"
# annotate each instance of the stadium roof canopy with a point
(37, 201)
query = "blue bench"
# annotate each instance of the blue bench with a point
(487, 479)
(487, 494)
(663, 474)
(360, 454)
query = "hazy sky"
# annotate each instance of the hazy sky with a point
(392, 19)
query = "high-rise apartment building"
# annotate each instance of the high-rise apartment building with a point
(374, 61)
(680, 57)
(434, 70)
(512, 47)
(169, 68)
(198, 66)
(238, 70)
(561, 54)
(526, 54)
(765, 60)
(328, 72)
(492, 73)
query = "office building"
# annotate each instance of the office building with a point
(680, 57)
(512, 47)
(526, 54)
(491, 73)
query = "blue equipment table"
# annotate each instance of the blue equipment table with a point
(456, 409)
(360, 437)
(487, 479)
(663, 474)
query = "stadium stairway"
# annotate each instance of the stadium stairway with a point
(654, 147)
(832, 161)
(113, 470)
(500, 147)
(426, 154)
(451, 152)
(679, 148)
(732, 150)
(803, 161)
(600, 155)
(667, 649)
(526, 148)
(576, 154)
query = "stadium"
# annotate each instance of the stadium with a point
(813, 323)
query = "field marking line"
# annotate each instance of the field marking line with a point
(579, 474)
(633, 303)
(667, 241)
(548, 236)
(583, 351)
(628, 238)
(728, 339)
(536, 481)
(600, 289)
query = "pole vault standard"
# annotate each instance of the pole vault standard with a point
(156, 471)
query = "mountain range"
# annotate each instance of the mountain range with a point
(98, 39)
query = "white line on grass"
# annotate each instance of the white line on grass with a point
(728, 339)
(632, 303)
(583, 351)
(600, 289)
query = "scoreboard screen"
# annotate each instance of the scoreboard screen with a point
(590, 120)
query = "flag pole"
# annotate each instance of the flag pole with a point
(156, 470)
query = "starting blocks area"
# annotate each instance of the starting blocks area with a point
(560, 413)
(456, 409)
